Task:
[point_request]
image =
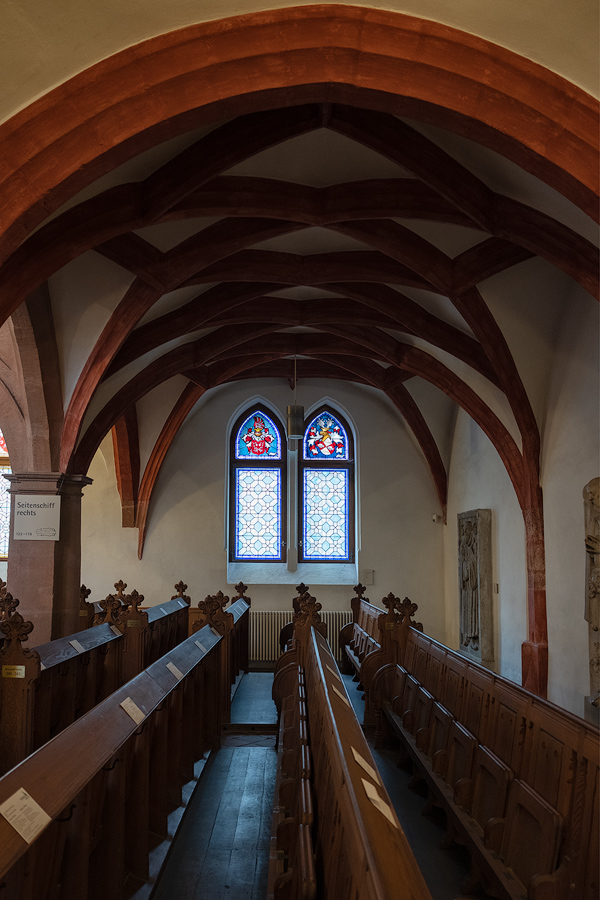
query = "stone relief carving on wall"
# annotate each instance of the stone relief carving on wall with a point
(475, 585)
(591, 508)
(591, 505)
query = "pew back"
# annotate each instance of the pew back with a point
(134, 750)
(361, 849)
(506, 747)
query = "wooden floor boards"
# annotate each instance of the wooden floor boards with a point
(222, 846)
(221, 850)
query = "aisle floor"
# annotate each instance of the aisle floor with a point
(221, 850)
(222, 847)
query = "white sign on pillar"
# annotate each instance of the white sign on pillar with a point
(37, 517)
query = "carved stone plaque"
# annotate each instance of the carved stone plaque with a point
(475, 585)
(591, 505)
(591, 508)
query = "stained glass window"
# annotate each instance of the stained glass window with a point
(326, 507)
(256, 522)
(325, 438)
(326, 490)
(4, 498)
(258, 514)
(258, 438)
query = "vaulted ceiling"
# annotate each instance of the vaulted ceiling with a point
(352, 234)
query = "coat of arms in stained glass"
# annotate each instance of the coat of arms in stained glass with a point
(325, 438)
(258, 438)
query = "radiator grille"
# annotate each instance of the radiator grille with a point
(265, 625)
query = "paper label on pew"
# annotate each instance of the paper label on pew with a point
(182, 603)
(25, 815)
(42, 667)
(13, 671)
(365, 765)
(77, 646)
(201, 646)
(115, 630)
(214, 631)
(163, 611)
(378, 803)
(333, 672)
(176, 672)
(133, 710)
(340, 695)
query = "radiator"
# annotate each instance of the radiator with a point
(265, 625)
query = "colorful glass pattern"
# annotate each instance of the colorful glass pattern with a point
(325, 438)
(258, 514)
(258, 438)
(4, 511)
(325, 533)
(3, 447)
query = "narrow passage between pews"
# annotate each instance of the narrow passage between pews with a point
(222, 846)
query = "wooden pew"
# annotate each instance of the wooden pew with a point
(45, 689)
(233, 625)
(361, 636)
(360, 850)
(291, 861)
(286, 635)
(517, 776)
(149, 632)
(108, 782)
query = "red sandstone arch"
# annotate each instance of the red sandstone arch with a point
(407, 65)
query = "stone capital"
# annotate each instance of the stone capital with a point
(47, 483)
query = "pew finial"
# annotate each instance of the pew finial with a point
(302, 590)
(86, 610)
(241, 589)
(120, 586)
(213, 613)
(307, 617)
(15, 630)
(401, 610)
(181, 588)
(111, 609)
(115, 607)
(135, 601)
(8, 603)
(359, 589)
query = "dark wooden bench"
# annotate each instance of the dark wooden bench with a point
(233, 625)
(291, 861)
(517, 776)
(44, 689)
(107, 783)
(361, 636)
(358, 847)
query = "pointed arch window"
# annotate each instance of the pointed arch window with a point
(5, 469)
(258, 456)
(326, 490)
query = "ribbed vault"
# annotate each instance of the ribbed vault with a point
(355, 313)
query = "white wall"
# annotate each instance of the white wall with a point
(570, 458)
(478, 480)
(186, 526)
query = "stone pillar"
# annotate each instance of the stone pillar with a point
(46, 575)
